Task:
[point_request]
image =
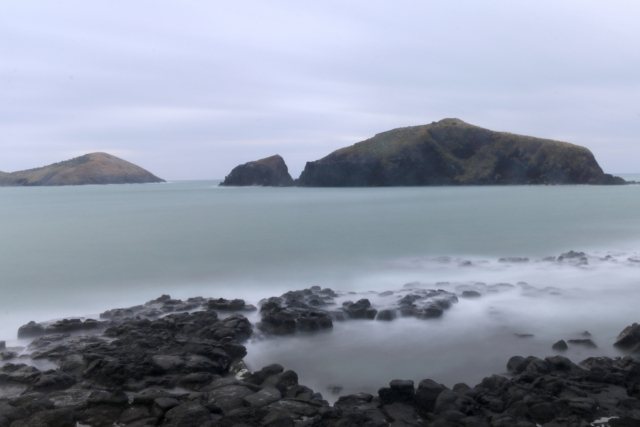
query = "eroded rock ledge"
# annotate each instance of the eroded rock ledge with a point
(163, 364)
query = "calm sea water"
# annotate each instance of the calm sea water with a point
(76, 251)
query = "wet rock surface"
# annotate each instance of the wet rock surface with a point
(186, 369)
(297, 311)
(315, 308)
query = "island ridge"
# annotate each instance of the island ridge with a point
(93, 168)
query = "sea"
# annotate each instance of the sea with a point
(77, 251)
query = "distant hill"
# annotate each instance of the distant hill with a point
(270, 172)
(452, 152)
(93, 168)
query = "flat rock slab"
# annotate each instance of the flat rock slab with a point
(230, 397)
(190, 414)
(401, 412)
(264, 397)
(295, 407)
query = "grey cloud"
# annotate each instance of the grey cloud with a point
(191, 89)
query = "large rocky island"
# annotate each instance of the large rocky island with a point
(448, 152)
(93, 168)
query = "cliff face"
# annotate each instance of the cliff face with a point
(271, 171)
(452, 152)
(94, 168)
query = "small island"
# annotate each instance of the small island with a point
(93, 168)
(269, 172)
(448, 152)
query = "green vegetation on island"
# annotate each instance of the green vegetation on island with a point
(452, 152)
(93, 168)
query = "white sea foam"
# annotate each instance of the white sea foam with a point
(78, 251)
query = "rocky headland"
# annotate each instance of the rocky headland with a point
(268, 172)
(170, 362)
(93, 168)
(448, 152)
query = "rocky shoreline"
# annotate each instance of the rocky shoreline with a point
(180, 363)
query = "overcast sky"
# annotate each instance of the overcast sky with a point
(190, 89)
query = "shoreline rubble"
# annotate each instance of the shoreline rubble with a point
(180, 363)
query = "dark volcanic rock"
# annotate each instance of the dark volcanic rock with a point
(513, 260)
(560, 346)
(271, 172)
(426, 304)
(398, 391)
(161, 306)
(360, 310)
(296, 311)
(31, 329)
(470, 294)
(571, 255)
(452, 152)
(222, 304)
(584, 342)
(629, 338)
(387, 315)
(183, 370)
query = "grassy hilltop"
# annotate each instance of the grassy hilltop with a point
(452, 152)
(94, 168)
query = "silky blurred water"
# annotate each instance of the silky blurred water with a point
(76, 251)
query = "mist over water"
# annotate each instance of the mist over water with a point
(77, 251)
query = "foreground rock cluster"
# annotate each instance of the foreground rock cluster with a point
(162, 364)
(315, 308)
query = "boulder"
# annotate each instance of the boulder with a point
(226, 305)
(471, 294)
(398, 391)
(292, 312)
(262, 398)
(513, 260)
(64, 325)
(260, 376)
(588, 343)
(230, 397)
(190, 414)
(63, 417)
(134, 413)
(386, 314)
(629, 338)
(361, 310)
(560, 346)
(283, 382)
(427, 394)
(30, 330)
(116, 398)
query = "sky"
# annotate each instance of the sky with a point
(190, 89)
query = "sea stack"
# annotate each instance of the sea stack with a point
(93, 168)
(269, 172)
(452, 152)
